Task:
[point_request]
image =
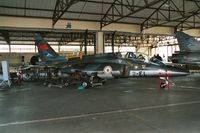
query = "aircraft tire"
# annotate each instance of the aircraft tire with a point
(66, 84)
(85, 84)
(34, 60)
(45, 83)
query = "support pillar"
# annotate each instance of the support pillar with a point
(59, 48)
(113, 43)
(85, 41)
(99, 42)
(94, 41)
(35, 49)
(9, 48)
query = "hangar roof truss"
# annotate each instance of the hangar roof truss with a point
(180, 14)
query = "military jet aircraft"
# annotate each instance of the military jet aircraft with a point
(106, 65)
(189, 50)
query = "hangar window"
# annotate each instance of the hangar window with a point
(90, 49)
(4, 48)
(166, 46)
(108, 49)
(74, 50)
(153, 51)
(23, 48)
(63, 49)
(165, 51)
(169, 50)
(55, 48)
(119, 49)
(127, 49)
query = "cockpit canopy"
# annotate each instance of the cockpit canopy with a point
(141, 57)
(137, 56)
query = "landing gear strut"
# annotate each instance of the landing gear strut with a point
(164, 81)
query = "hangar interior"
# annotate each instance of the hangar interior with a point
(145, 26)
(97, 27)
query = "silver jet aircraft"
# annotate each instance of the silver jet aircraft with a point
(108, 65)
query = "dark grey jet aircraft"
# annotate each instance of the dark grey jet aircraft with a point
(107, 65)
(189, 50)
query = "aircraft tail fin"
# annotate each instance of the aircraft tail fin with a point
(187, 42)
(46, 52)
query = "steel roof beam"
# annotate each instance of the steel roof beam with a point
(193, 0)
(60, 8)
(168, 19)
(128, 4)
(183, 19)
(176, 20)
(95, 2)
(155, 11)
(78, 12)
(106, 20)
(186, 18)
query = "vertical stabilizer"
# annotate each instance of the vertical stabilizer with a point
(187, 42)
(46, 52)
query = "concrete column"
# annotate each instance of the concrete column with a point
(94, 41)
(99, 42)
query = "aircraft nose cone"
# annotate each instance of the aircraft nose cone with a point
(178, 72)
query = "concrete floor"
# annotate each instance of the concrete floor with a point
(120, 106)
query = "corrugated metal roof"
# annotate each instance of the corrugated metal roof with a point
(14, 3)
(44, 4)
(39, 13)
(132, 20)
(71, 16)
(94, 10)
(89, 17)
(12, 11)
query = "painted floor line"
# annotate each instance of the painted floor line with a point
(96, 114)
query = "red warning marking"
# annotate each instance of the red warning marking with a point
(43, 47)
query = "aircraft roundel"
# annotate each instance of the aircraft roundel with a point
(107, 69)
